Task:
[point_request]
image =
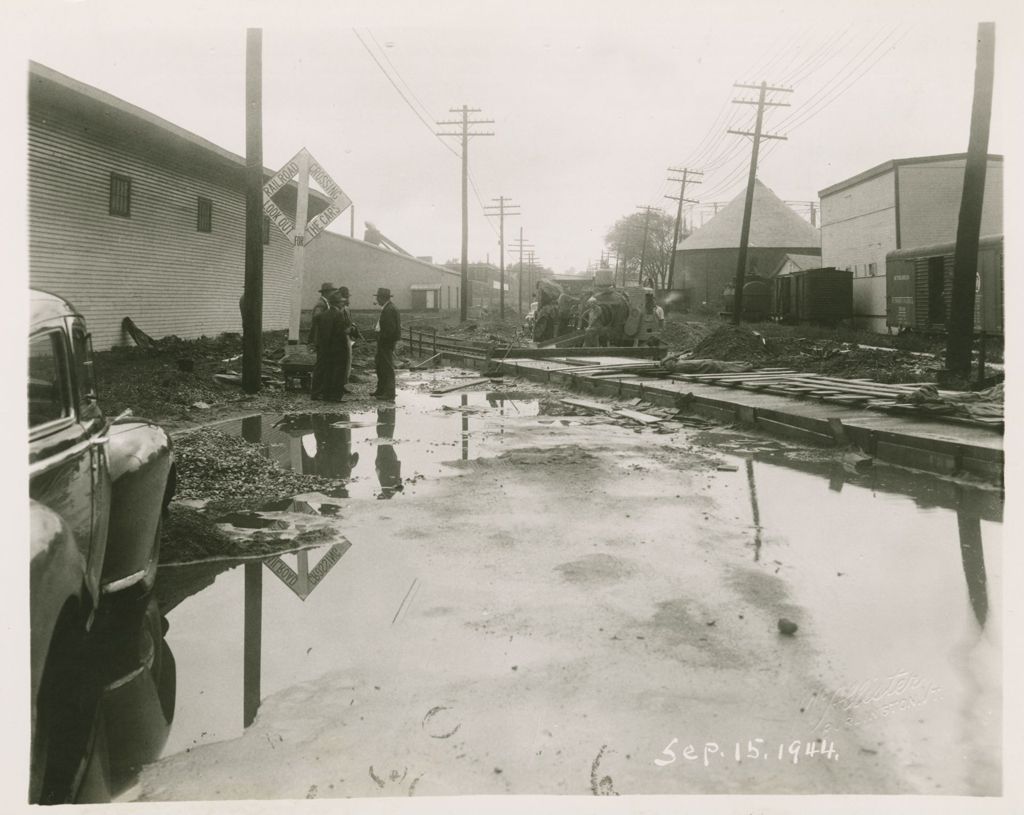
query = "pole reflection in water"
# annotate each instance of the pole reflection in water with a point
(302, 582)
(389, 468)
(252, 428)
(974, 563)
(465, 429)
(253, 642)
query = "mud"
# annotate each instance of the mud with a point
(549, 623)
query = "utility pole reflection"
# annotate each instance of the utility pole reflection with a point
(973, 558)
(302, 583)
(253, 642)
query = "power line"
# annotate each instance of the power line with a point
(398, 90)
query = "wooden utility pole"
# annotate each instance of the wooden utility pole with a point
(252, 296)
(968, 231)
(501, 213)
(523, 245)
(687, 172)
(643, 246)
(465, 123)
(757, 136)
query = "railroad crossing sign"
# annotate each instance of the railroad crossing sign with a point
(302, 233)
(299, 232)
(305, 580)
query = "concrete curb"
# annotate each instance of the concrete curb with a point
(896, 445)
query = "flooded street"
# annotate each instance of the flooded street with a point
(532, 604)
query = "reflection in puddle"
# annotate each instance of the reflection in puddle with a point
(341, 444)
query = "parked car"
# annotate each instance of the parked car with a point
(98, 489)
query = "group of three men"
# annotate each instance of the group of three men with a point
(331, 335)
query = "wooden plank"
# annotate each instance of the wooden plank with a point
(460, 386)
(644, 418)
(583, 403)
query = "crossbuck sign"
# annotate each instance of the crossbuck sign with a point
(299, 232)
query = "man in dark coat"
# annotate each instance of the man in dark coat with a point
(316, 387)
(388, 333)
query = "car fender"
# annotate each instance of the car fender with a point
(140, 464)
(56, 576)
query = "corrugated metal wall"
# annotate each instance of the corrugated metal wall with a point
(154, 266)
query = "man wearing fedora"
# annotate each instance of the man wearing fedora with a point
(388, 332)
(319, 378)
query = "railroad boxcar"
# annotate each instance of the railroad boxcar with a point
(813, 296)
(919, 287)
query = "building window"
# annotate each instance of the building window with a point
(872, 270)
(204, 215)
(266, 230)
(120, 195)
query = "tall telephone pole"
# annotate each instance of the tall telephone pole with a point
(643, 246)
(757, 136)
(252, 293)
(465, 122)
(965, 257)
(523, 245)
(501, 213)
(687, 172)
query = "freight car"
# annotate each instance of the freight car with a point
(813, 296)
(919, 287)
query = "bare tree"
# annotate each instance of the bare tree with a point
(627, 238)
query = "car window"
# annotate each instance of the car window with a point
(49, 396)
(87, 405)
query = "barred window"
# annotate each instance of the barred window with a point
(204, 215)
(120, 195)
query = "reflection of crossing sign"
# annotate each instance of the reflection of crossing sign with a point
(339, 201)
(305, 580)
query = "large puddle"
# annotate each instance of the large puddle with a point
(900, 575)
(391, 448)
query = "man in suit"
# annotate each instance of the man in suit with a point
(316, 386)
(388, 333)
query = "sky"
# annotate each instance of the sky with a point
(591, 102)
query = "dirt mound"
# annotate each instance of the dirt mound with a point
(732, 342)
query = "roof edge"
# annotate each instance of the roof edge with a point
(39, 71)
(892, 164)
(374, 246)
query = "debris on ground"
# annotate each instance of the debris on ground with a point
(986, 404)
(787, 627)
(680, 364)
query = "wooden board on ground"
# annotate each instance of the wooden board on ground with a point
(583, 403)
(637, 416)
(459, 386)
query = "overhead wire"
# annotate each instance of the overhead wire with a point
(419, 116)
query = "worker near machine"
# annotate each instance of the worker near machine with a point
(605, 312)
(547, 314)
(652, 321)
(316, 387)
(388, 333)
